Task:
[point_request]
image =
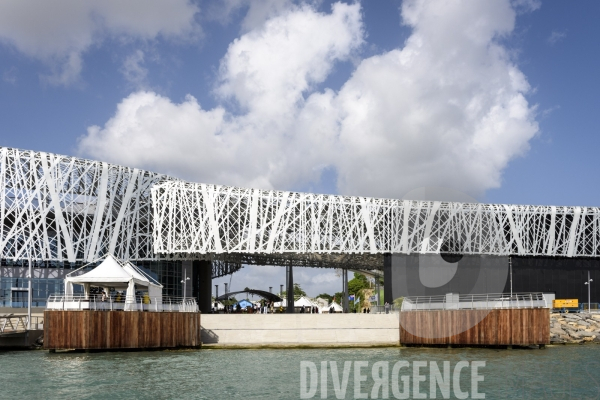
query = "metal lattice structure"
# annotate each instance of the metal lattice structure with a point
(68, 209)
(63, 208)
(211, 219)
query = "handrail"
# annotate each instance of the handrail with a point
(485, 301)
(121, 303)
(18, 323)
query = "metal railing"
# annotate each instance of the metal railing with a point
(22, 303)
(121, 303)
(18, 323)
(382, 309)
(452, 301)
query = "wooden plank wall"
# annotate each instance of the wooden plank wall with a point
(120, 330)
(489, 327)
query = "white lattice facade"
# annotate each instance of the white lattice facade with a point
(62, 208)
(199, 218)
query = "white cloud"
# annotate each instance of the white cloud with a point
(66, 71)
(447, 109)
(274, 141)
(257, 12)
(58, 32)
(10, 75)
(133, 69)
(556, 36)
(524, 6)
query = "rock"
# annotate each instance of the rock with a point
(584, 334)
(557, 331)
(584, 323)
(596, 317)
(570, 326)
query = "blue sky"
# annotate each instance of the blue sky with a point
(498, 99)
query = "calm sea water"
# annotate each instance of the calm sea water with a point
(563, 372)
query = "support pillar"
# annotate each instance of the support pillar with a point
(387, 279)
(202, 277)
(289, 272)
(345, 304)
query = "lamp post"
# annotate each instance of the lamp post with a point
(185, 278)
(589, 284)
(29, 298)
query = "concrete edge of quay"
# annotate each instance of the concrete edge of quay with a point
(249, 346)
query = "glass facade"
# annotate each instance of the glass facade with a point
(11, 296)
(167, 272)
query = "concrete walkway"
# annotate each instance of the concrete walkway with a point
(300, 330)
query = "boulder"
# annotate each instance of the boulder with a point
(557, 331)
(565, 338)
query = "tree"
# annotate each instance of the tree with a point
(298, 292)
(358, 283)
(359, 286)
(339, 298)
(326, 296)
(230, 301)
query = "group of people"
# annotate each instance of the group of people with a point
(265, 307)
(119, 296)
(309, 310)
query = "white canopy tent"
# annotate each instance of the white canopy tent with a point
(120, 276)
(302, 301)
(336, 308)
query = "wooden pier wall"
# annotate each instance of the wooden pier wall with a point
(108, 330)
(496, 327)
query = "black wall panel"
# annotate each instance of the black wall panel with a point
(477, 274)
(565, 277)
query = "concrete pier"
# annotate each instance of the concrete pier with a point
(300, 330)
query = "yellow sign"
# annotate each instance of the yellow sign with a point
(565, 303)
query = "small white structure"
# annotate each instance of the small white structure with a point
(306, 302)
(302, 301)
(336, 308)
(120, 276)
